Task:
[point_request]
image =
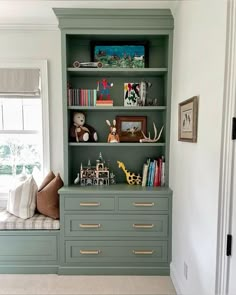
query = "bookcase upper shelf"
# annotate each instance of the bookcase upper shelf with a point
(100, 72)
(118, 108)
(133, 144)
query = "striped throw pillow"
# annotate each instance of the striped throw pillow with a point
(22, 199)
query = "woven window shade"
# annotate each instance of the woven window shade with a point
(20, 82)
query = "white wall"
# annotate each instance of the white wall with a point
(198, 69)
(16, 44)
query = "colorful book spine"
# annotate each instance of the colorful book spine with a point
(156, 175)
(145, 174)
(107, 102)
(154, 172)
(163, 172)
(82, 97)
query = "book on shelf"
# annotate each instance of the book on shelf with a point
(163, 172)
(81, 97)
(145, 173)
(107, 102)
(154, 172)
(156, 175)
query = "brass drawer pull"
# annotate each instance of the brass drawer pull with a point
(92, 204)
(89, 252)
(148, 204)
(143, 252)
(82, 225)
(143, 225)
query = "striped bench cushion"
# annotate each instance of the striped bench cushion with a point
(38, 221)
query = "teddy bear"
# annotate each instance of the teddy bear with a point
(80, 131)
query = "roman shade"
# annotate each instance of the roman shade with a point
(19, 82)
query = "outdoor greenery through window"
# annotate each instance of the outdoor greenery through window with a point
(20, 138)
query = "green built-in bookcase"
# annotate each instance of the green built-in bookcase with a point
(80, 29)
(119, 218)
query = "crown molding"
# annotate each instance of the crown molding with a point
(28, 27)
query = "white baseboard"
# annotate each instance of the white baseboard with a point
(176, 280)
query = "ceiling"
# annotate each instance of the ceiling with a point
(39, 12)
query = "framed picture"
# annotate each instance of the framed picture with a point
(131, 94)
(129, 127)
(188, 119)
(120, 54)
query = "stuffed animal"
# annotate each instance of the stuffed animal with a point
(80, 131)
(113, 136)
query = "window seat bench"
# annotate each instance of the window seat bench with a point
(38, 221)
(28, 246)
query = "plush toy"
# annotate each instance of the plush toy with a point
(113, 135)
(80, 131)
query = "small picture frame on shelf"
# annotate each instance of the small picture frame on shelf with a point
(188, 119)
(120, 54)
(130, 128)
(131, 94)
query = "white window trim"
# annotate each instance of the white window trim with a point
(42, 65)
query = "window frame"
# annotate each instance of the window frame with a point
(42, 66)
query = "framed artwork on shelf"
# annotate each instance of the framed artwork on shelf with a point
(130, 128)
(131, 94)
(120, 54)
(188, 120)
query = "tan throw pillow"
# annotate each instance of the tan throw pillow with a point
(49, 177)
(22, 198)
(48, 198)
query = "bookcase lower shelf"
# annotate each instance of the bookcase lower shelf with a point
(117, 229)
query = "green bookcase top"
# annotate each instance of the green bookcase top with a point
(121, 188)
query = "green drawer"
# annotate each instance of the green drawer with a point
(116, 251)
(112, 225)
(89, 203)
(144, 204)
(28, 248)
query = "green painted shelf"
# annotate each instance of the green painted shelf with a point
(118, 108)
(99, 144)
(116, 72)
(114, 188)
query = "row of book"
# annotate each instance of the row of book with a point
(81, 97)
(154, 172)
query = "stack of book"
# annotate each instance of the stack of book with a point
(154, 172)
(104, 103)
(81, 97)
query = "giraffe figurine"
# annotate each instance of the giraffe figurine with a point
(131, 177)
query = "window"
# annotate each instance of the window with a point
(24, 147)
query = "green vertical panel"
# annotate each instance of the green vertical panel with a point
(168, 103)
(64, 49)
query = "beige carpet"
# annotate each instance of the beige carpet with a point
(54, 284)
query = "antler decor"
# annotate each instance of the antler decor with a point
(155, 139)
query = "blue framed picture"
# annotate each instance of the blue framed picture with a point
(120, 54)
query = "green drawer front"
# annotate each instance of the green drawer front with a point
(116, 251)
(89, 203)
(28, 248)
(111, 225)
(144, 204)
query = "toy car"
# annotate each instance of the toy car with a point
(89, 64)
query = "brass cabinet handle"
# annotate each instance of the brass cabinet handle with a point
(82, 225)
(146, 204)
(90, 204)
(89, 252)
(135, 225)
(143, 252)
